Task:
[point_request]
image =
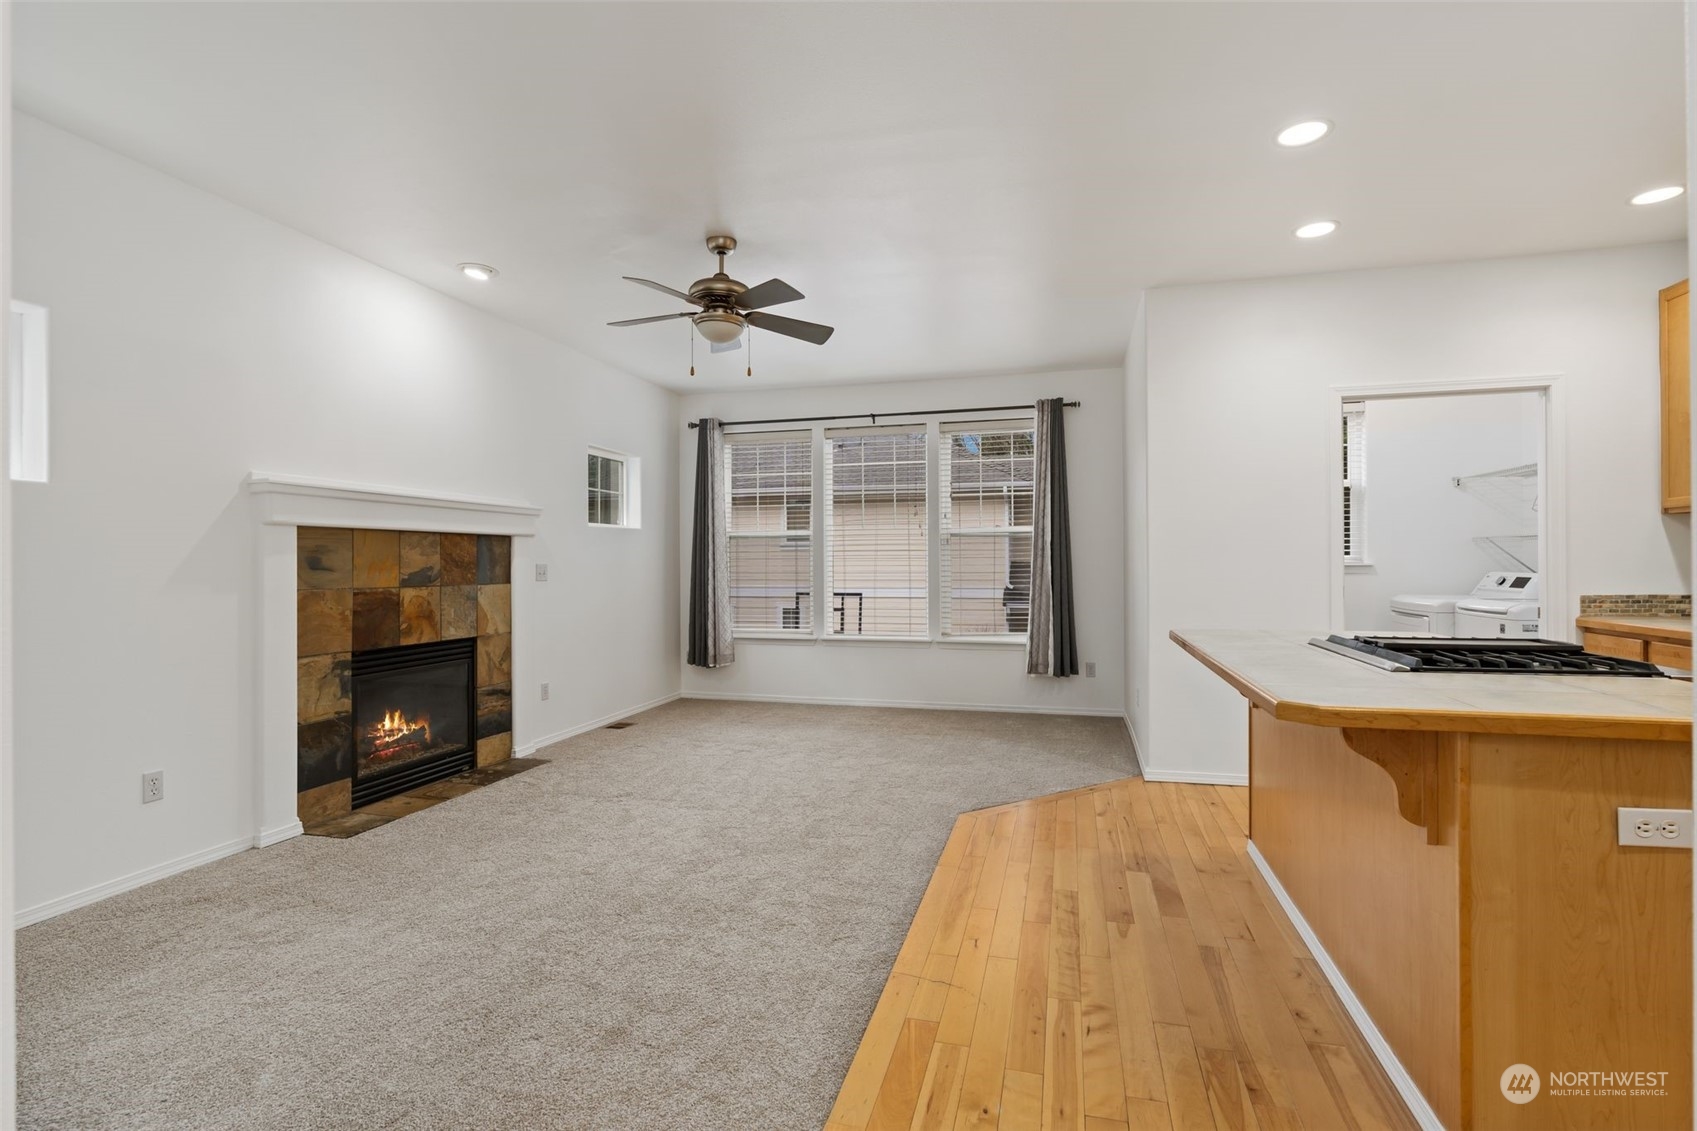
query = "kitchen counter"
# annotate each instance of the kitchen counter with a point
(1447, 846)
(1294, 682)
(1669, 630)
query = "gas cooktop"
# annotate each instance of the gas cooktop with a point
(1529, 657)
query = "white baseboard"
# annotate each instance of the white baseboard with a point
(265, 838)
(534, 745)
(1404, 1083)
(1195, 777)
(911, 704)
(41, 911)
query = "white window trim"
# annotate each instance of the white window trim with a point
(630, 497)
(936, 426)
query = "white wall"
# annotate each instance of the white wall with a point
(194, 341)
(932, 674)
(1420, 528)
(1239, 380)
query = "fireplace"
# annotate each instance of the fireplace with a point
(414, 716)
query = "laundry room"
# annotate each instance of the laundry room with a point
(1441, 513)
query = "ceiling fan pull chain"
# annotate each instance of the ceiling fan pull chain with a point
(749, 332)
(692, 349)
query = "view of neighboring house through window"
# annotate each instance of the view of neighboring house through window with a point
(875, 532)
(1354, 483)
(871, 557)
(613, 491)
(769, 497)
(986, 474)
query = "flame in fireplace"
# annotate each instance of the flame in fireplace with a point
(397, 730)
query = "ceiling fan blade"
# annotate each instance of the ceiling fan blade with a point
(662, 287)
(727, 347)
(790, 327)
(769, 293)
(656, 318)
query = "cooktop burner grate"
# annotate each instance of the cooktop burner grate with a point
(1532, 657)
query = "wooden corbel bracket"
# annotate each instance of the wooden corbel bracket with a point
(1411, 759)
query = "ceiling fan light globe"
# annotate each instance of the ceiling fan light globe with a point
(719, 328)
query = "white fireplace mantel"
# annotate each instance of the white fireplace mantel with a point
(295, 500)
(281, 504)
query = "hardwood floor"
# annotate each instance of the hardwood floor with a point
(1108, 960)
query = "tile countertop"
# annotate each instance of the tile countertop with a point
(1282, 674)
(1671, 630)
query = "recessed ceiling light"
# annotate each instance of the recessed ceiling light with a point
(482, 272)
(1304, 133)
(1657, 195)
(1317, 229)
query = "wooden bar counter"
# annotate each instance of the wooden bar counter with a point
(1450, 842)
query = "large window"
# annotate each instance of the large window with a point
(834, 532)
(875, 532)
(986, 474)
(1355, 483)
(769, 497)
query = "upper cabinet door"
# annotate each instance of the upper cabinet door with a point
(1676, 398)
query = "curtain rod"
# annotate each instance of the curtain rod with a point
(873, 416)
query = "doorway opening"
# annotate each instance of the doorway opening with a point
(1446, 510)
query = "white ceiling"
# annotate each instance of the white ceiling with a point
(958, 188)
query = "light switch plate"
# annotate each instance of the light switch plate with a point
(1654, 828)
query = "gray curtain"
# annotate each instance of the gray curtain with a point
(1051, 647)
(710, 643)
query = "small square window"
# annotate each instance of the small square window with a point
(26, 381)
(612, 493)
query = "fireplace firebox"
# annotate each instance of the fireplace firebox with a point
(414, 712)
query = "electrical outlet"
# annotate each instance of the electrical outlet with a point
(152, 786)
(541, 572)
(1090, 669)
(545, 691)
(1655, 828)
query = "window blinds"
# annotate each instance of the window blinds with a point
(1354, 482)
(986, 477)
(769, 521)
(877, 558)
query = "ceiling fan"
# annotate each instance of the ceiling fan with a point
(726, 306)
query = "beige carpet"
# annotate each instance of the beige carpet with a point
(680, 925)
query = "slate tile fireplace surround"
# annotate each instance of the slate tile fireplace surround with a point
(404, 661)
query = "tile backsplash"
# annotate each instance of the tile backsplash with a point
(1635, 605)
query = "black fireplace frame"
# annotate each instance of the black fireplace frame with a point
(373, 787)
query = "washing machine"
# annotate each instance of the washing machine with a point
(1424, 612)
(1503, 605)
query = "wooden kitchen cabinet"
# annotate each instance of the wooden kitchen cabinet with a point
(1620, 647)
(1660, 640)
(1676, 398)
